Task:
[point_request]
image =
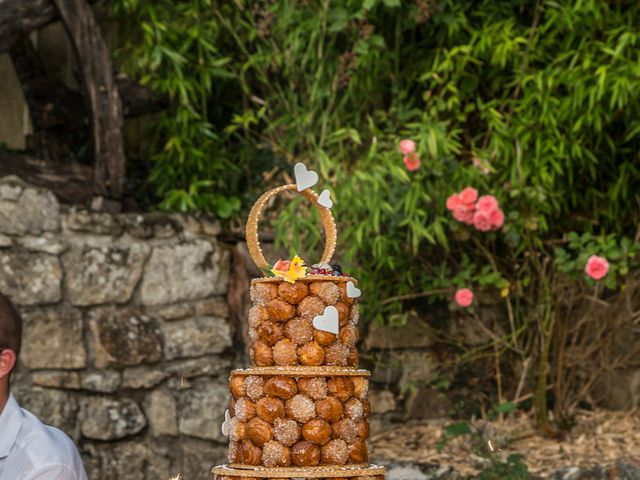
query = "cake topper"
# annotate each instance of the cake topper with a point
(329, 321)
(225, 424)
(304, 178)
(352, 290)
(292, 270)
(325, 199)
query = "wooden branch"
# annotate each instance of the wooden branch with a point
(103, 99)
(70, 182)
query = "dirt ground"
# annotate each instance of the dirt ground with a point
(598, 438)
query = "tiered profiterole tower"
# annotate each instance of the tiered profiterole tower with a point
(301, 411)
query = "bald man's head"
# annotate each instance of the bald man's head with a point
(10, 325)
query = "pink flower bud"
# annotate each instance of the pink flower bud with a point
(487, 203)
(482, 221)
(412, 162)
(407, 146)
(597, 267)
(464, 297)
(469, 195)
(454, 202)
(497, 219)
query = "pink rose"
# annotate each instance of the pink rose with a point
(487, 203)
(469, 195)
(482, 221)
(282, 265)
(463, 214)
(597, 267)
(454, 202)
(497, 218)
(412, 162)
(464, 297)
(407, 146)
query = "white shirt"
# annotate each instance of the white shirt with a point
(31, 450)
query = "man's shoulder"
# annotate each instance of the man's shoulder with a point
(45, 445)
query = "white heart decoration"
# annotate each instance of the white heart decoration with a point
(304, 178)
(352, 290)
(225, 424)
(328, 321)
(324, 200)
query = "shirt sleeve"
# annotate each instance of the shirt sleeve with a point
(56, 472)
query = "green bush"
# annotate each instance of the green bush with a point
(533, 102)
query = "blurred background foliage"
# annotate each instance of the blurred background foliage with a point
(535, 102)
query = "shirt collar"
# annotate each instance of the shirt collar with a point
(10, 423)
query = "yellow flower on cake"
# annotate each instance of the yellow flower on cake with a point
(290, 270)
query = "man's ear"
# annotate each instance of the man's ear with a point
(7, 362)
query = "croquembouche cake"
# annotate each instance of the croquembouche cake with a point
(301, 410)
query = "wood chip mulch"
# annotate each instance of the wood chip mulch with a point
(598, 438)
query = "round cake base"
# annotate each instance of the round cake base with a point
(370, 472)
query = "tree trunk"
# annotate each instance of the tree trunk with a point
(103, 99)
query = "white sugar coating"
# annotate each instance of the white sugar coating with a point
(234, 452)
(253, 334)
(273, 454)
(299, 330)
(328, 292)
(285, 352)
(286, 431)
(349, 335)
(245, 410)
(236, 429)
(315, 387)
(261, 293)
(256, 316)
(346, 429)
(335, 452)
(355, 314)
(361, 389)
(310, 307)
(254, 385)
(354, 409)
(301, 408)
(336, 354)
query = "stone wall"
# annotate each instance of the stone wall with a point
(127, 340)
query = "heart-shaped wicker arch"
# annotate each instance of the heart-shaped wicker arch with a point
(328, 223)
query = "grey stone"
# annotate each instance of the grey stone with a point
(405, 472)
(111, 419)
(412, 335)
(149, 225)
(103, 275)
(25, 209)
(195, 337)
(57, 379)
(82, 220)
(43, 244)
(188, 271)
(201, 411)
(199, 367)
(126, 460)
(142, 377)
(52, 407)
(175, 312)
(428, 403)
(30, 278)
(215, 307)
(199, 456)
(418, 368)
(124, 337)
(382, 401)
(5, 242)
(162, 413)
(104, 381)
(53, 339)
